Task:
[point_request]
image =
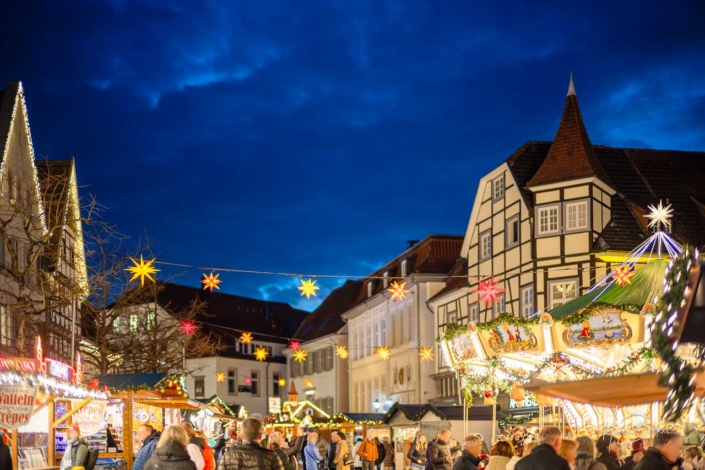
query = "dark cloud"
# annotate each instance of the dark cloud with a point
(317, 137)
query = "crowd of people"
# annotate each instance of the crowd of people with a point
(183, 448)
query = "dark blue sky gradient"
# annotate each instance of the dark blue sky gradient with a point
(320, 136)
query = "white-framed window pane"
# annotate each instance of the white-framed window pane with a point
(562, 292)
(384, 330)
(548, 220)
(369, 340)
(498, 188)
(376, 337)
(134, 323)
(403, 268)
(452, 317)
(527, 301)
(474, 313)
(577, 215)
(485, 245)
(499, 306)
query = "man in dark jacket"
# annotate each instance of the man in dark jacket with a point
(381, 453)
(665, 453)
(440, 455)
(545, 455)
(607, 446)
(250, 454)
(470, 458)
(330, 454)
(637, 454)
(149, 438)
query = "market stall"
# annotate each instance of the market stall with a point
(39, 397)
(213, 418)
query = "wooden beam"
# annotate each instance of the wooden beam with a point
(51, 451)
(39, 407)
(70, 413)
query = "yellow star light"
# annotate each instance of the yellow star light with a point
(341, 352)
(220, 377)
(659, 215)
(300, 355)
(383, 353)
(623, 275)
(282, 382)
(308, 383)
(426, 354)
(210, 281)
(398, 291)
(261, 354)
(141, 270)
(308, 288)
(246, 338)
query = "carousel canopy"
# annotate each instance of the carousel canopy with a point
(646, 284)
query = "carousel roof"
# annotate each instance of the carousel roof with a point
(646, 284)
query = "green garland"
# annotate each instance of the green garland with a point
(677, 372)
(452, 330)
(411, 417)
(507, 318)
(585, 313)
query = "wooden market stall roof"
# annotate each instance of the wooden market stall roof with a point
(624, 390)
(159, 389)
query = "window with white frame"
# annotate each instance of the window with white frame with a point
(452, 317)
(512, 232)
(548, 220)
(369, 340)
(409, 321)
(376, 334)
(403, 268)
(383, 325)
(353, 351)
(369, 289)
(561, 292)
(576, 215)
(402, 326)
(498, 188)
(527, 301)
(6, 326)
(232, 381)
(485, 245)
(474, 313)
(499, 306)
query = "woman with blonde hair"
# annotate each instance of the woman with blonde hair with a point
(500, 455)
(171, 451)
(417, 453)
(569, 450)
(693, 459)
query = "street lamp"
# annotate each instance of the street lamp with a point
(376, 404)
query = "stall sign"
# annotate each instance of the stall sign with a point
(16, 405)
(527, 403)
(275, 405)
(89, 417)
(16, 364)
(59, 370)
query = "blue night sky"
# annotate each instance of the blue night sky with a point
(317, 137)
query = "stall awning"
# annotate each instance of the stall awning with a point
(171, 403)
(130, 380)
(625, 390)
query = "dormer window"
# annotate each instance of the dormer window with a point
(403, 268)
(386, 279)
(369, 289)
(498, 188)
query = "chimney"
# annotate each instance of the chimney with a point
(412, 243)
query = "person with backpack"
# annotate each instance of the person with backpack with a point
(368, 451)
(76, 449)
(149, 437)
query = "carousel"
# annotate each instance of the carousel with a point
(604, 362)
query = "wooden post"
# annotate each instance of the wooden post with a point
(494, 420)
(71, 412)
(127, 448)
(51, 445)
(15, 449)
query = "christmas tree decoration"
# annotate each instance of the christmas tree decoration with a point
(623, 275)
(246, 338)
(648, 309)
(383, 353)
(518, 394)
(489, 394)
(220, 377)
(210, 281)
(300, 355)
(398, 291)
(141, 270)
(188, 327)
(659, 216)
(294, 345)
(488, 290)
(261, 354)
(282, 382)
(546, 320)
(341, 352)
(426, 354)
(308, 288)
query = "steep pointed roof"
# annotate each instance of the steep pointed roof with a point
(571, 155)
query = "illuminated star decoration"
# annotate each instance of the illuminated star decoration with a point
(210, 281)
(341, 352)
(623, 275)
(261, 354)
(246, 338)
(141, 270)
(426, 354)
(294, 345)
(308, 288)
(308, 383)
(659, 216)
(300, 355)
(489, 292)
(383, 352)
(220, 377)
(282, 382)
(188, 327)
(398, 291)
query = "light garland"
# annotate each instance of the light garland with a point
(51, 385)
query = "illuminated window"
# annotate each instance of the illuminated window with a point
(561, 292)
(151, 319)
(134, 323)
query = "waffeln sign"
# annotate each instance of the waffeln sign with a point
(16, 405)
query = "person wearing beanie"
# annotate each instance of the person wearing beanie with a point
(637, 453)
(76, 449)
(607, 447)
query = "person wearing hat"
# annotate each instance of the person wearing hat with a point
(637, 453)
(607, 446)
(5, 457)
(76, 449)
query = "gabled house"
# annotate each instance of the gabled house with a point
(555, 216)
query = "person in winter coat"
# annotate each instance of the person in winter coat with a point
(311, 452)
(149, 437)
(274, 447)
(250, 454)
(389, 454)
(665, 454)
(406, 447)
(357, 464)
(368, 451)
(290, 452)
(76, 449)
(342, 452)
(637, 454)
(171, 451)
(381, 454)
(585, 459)
(195, 446)
(607, 447)
(218, 447)
(331, 449)
(500, 455)
(5, 455)
(440, 455)
(417, 453)
(569, 450)
(207, 452)
(545, 455)
(470, 457)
